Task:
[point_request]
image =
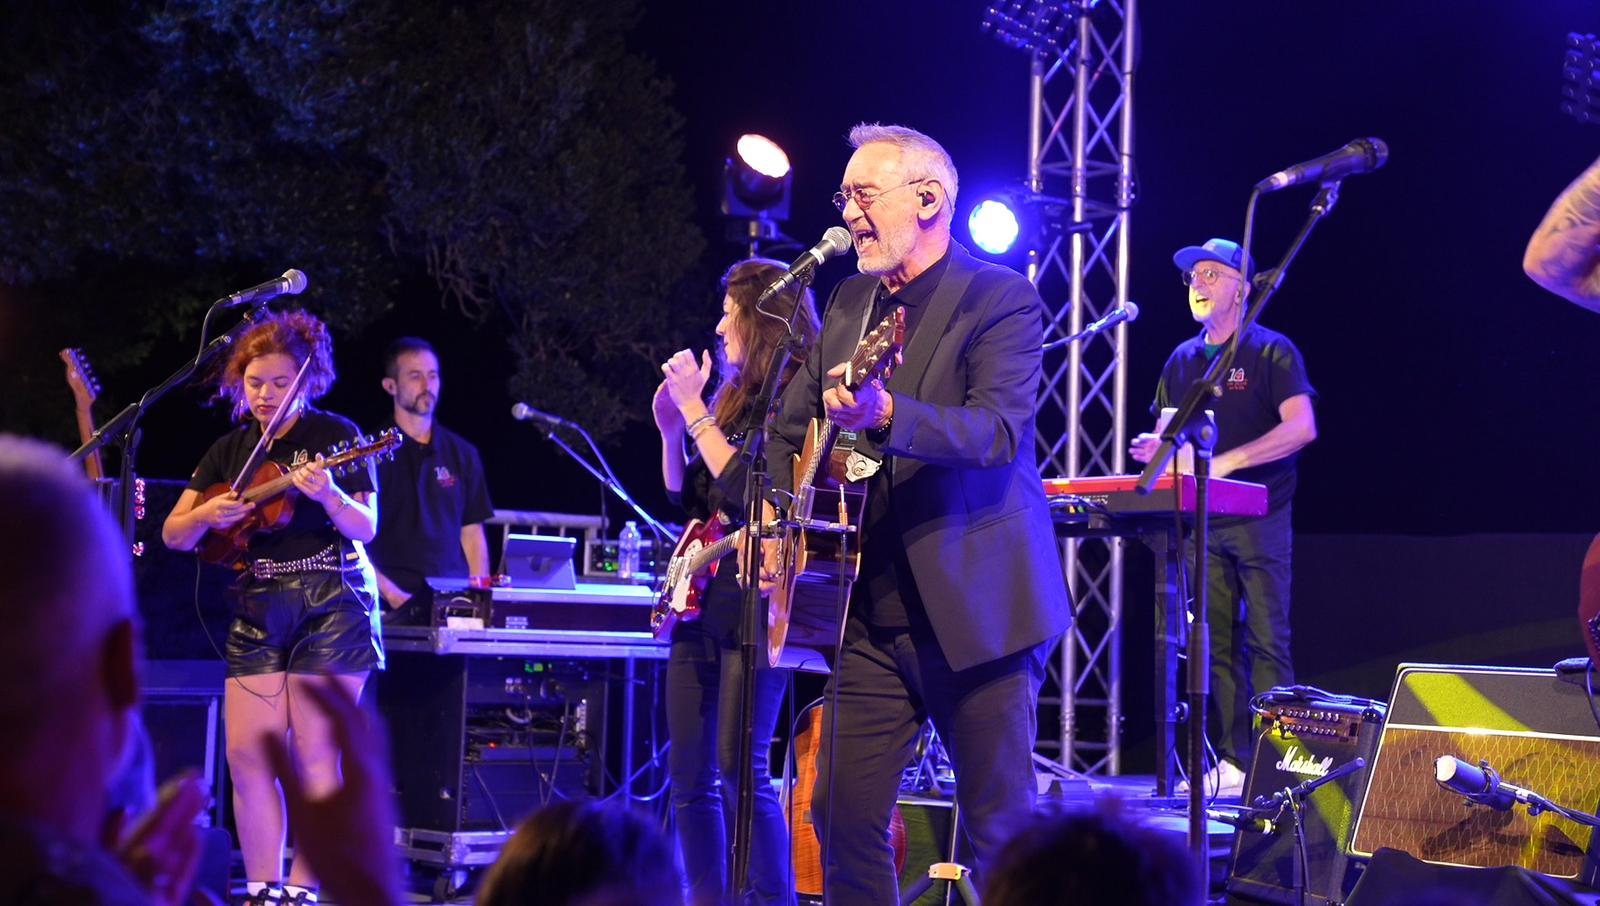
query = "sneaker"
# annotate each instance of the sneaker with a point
(1225, 781)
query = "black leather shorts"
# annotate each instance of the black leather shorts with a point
(323, 622)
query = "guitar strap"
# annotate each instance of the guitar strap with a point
(937, 311)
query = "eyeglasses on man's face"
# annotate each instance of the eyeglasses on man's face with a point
(1203, 276)
(865, 197)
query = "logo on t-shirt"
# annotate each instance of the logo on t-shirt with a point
(442, 475)
(1237, 380)
(300, 458)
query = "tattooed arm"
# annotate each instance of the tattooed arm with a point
(1564, 254)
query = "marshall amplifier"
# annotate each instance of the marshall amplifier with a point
(1305, 735)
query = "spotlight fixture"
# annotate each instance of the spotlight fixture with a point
(756, 180)
(1003, 219)
(1035, 25)
(994, 226)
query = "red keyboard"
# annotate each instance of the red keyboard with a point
(1114, 495)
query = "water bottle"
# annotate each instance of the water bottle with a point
(628, 552)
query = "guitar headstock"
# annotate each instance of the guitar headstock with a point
(879, 351)
(80, 377)
(343, 456)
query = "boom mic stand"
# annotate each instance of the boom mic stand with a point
(757, 484)
(1190, 425)
(604, 476)
(123, 428)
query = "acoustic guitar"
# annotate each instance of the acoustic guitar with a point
(271, 489)
(805, 842)
(816, 556)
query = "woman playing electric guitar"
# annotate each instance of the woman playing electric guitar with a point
(702, 690)
(306, 601)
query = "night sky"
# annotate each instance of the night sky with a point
(1455, 395)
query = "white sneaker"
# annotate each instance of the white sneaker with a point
(1225, 781)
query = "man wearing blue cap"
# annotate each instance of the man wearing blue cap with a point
(1264, 418)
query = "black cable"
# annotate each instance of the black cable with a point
(489, 796)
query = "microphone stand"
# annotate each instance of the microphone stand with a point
(123, 428)
(757, 484)
(1190, 425)
(604, 477)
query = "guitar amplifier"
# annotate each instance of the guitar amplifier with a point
(1301, 739)
(1533, 728)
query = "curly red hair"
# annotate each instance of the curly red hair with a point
(297, 334)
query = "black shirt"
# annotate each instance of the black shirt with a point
(705, 498)
(309, 529)
(886, 595)
(425, 496)
(1267, 370)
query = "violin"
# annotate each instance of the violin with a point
(271, 488)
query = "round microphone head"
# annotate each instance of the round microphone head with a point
(296, 282)
(1377, 151)
(839, 238)
(1132, 309)
(1444, 768)
(520, 412)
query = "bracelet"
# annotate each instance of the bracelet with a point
(699, 425)
(881, 433)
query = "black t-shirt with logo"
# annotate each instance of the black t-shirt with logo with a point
(1267, 370)
(425, 495)
(309, 530)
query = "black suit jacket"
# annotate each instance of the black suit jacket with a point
(966, 489)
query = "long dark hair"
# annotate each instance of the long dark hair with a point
(759, 333)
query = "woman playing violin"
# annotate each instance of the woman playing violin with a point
(305, 604)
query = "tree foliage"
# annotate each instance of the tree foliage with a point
(158, 153)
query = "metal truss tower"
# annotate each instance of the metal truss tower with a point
(1080, 140)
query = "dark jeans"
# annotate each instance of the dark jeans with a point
(1247, 607)
(890, 682)
(702, 697)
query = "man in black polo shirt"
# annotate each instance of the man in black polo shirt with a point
(432, 500)
(1264, 417)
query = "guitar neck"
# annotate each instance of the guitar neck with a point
(711, 553)
(825, 435)
(91, 463)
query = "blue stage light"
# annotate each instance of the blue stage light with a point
(994, 226)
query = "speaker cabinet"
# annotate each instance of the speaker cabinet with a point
(1535, 730)
(1302, 741)
(182, 714)
(481, 742)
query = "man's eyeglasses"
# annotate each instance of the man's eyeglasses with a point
(865, 197)
(1205, 276)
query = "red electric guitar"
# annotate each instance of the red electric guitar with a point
(693, 565)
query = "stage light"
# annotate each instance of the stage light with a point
(1010, 217)
(994, 226)
(1580, 86)
(1035, 25)
(756, 180)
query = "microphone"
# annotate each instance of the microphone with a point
(292, 283)
(835, 242)
(523, 412)
(1243, 821)
(1479, 784)
(1127, 311)
(1360, 156)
